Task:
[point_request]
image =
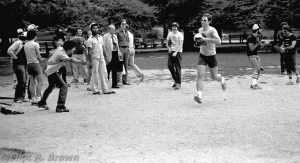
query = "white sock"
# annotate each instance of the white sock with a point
(254, 81)
(199, 93)
(222, 80)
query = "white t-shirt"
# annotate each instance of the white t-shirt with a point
(175, 39)
(96, 43)
(56, 61)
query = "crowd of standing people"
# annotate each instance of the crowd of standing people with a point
(90, 54)
(95, 56)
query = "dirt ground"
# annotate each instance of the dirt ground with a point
(150, 122)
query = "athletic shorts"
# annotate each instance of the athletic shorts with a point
(211, 61)
(34, 69)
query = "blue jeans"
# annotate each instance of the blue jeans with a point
(20, 71)
(55, 80)
(174, 65)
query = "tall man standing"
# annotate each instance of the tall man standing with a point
(209, 37)
(123, 39)
(97, 57)
(79, 55)
(114, 55)
(289, 49)
(253, 45)
(280, 36)
(174, 45)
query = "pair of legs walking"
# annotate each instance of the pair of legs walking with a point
(290, 60)
(100, 83)
(174, 66)
(79, 68)
(21, 75)
(115, 67)
(128, 60)
(55, 80)
(256, 64)
(36, 81)
(203, 62)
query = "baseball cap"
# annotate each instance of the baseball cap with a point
(287, 28)
(255, 27)
(32, 26)
(94, 24)
(19, 30)
(175, 24)
(24, 34)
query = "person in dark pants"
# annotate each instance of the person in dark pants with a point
(111, 46)
(289, 49)
(280, 37)
(16, 51)
(55, 80)
(58, 41)
(175, 42)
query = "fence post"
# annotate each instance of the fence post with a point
(47, 49)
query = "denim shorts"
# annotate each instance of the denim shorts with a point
(34, 69)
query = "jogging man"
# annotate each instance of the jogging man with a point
(253, 45)
(208, 38)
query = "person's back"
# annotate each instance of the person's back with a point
(31, 48)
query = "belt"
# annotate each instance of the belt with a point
(124, 46)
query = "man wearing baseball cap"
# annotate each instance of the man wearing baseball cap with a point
(253, 45)
(175, 42)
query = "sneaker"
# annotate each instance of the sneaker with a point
(60, 109)
(223, 85)
(43, 105)
(298, 79)
(74, 81)
(197, 99)
(18, 101)
(177, 86)
(257, 87)
(34, 101)
(290, 83)
(173, 85)
(69, 85)
(262, 68)
(25, 100)
(142, 77)
(89, 89)
(96, 93)
(84, 80)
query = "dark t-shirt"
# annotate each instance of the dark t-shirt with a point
(287, 41)
(254, 40)
(80, 47)
(21, 58)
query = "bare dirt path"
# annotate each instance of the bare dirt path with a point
(150, 122)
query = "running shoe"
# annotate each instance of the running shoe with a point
(290, 83)
(197, 99)
(223, 84)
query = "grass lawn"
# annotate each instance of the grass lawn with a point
(229, 63)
